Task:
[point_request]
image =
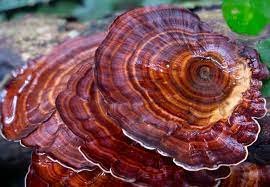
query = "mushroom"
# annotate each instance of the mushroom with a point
(259, 152)
(84, 111)
(174, 86)
(249, 175)
(28, 108)
(160, 81)
(45, 172)
(255, 172)
(67, 121)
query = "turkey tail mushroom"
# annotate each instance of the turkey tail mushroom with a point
(159, 80)
(61, 113)
(84, 111)
(248, 175)
(45, 172)
(28, 108)
(30, 95)
(173, 85)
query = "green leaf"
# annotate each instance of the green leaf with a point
(245, 16)
(266, 88)
(263, 47)
(263, 6)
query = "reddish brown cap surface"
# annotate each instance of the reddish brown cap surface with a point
(45, 172)
(248, 175)
(78, 132)
(84, 111)
(173, 85)
(28, 108)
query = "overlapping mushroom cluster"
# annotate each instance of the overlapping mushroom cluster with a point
(160, 100)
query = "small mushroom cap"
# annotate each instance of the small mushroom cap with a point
(173, 85)
(28, 108)
(249, 175)
(259, 152)
(30, 95)
(45, 172)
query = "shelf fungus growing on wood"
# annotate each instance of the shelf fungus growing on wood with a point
(174, 86)
(159, 80)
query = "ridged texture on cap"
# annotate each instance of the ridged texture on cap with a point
(173, 85)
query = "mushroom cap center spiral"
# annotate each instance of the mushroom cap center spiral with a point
(205, 73)
(211, 88)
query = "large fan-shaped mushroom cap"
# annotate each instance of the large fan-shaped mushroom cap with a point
(28, 108)
(173, 85)
(76, 131)
(84, 111)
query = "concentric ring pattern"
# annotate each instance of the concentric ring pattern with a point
(44, 172)
(84, 111)
(28, 109)
(249, 175)
(60, 113)
(160, 80)
(173, 85)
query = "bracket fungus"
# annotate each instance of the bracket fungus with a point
(28, 109)
(45, 172)
(249, 175)
(174, 86)
(64, 117)
(160, 79)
